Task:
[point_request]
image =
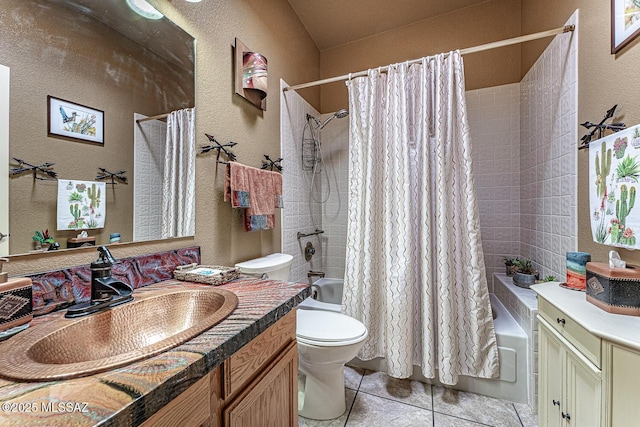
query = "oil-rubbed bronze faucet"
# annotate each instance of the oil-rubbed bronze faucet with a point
(103, 285)
(312, 273)
(106, 291)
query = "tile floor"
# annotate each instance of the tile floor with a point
(375, 399)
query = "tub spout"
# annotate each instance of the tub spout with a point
(311, 274)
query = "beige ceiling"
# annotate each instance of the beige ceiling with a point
(335, 22)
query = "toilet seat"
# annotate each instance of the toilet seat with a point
(328, 329)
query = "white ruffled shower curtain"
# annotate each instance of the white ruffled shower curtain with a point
(178, 195)
(415, 272)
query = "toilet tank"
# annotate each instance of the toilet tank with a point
(274, 266)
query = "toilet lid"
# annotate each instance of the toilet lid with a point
(328, 326)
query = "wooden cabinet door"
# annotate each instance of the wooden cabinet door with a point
(583, 392)
(550, 378)
(270, 401)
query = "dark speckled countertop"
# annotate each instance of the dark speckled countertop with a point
(129, 395)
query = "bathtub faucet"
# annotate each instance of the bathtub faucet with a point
(312, 273)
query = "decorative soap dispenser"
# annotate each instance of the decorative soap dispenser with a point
(16, 310)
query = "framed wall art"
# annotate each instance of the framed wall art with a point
(251, 75)
(625, 23)
(69, 120)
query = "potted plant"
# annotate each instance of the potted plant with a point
(511, 264)
(526, 274)
(43, 239)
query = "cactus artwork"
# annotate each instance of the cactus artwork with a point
(614, 177)
(603, 167)
(624, 204)
(80, 205)
(94, 196)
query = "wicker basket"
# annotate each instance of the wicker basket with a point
(210, 274)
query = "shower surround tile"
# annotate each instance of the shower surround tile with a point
(548, 158)
(301, 212)
(494, 123)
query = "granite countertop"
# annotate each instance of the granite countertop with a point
(129, 395)
(617, 328)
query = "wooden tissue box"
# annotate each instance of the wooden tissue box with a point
(78, 242)
(15, 303)
(616, 290)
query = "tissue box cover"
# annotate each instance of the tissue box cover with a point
(616, 290)
(15, 303)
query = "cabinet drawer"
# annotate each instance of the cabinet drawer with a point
(578, 336)
(243, 366)
(191, 408)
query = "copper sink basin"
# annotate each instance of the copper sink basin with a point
(153, 322)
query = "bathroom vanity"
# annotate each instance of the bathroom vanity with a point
(588, 362)
(241, 372)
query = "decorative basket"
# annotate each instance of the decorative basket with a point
(210, 274)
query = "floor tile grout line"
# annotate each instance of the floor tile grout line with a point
(354, 399)
(433, 403)
(431, 410)
(517, 413)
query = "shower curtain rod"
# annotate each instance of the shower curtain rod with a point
(159, 116)
(480, 48)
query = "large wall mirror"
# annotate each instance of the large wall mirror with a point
(102, 55)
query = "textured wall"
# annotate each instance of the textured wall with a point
(270, 28)
(486, 22)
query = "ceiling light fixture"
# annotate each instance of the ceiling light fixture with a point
(144, 9)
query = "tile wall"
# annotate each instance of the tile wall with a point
(301, 213)
(548, 156)
(147, 178)
(494, 122)
(335, 189)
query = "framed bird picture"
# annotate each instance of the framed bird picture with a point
(68, 120)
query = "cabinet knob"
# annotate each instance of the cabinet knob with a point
(566, 416)
(561, 321)
(556, 402)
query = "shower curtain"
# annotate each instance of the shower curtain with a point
(178, 195)
(415, 272)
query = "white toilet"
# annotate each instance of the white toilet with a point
(327, 339)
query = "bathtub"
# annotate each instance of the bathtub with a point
(512, 350)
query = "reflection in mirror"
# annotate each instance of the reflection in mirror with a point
(99, 54)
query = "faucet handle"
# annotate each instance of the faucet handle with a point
(105, 259)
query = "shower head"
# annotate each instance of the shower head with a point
(341, 114)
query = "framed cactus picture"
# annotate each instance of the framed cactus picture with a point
(68, 120)
(81, 205)
(614, 178)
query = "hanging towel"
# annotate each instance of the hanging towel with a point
(258, 191)
(614, 176)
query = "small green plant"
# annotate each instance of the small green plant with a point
(511, 264)
(525, 266)
(549, 279)
(629, 167)
(43, 237)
